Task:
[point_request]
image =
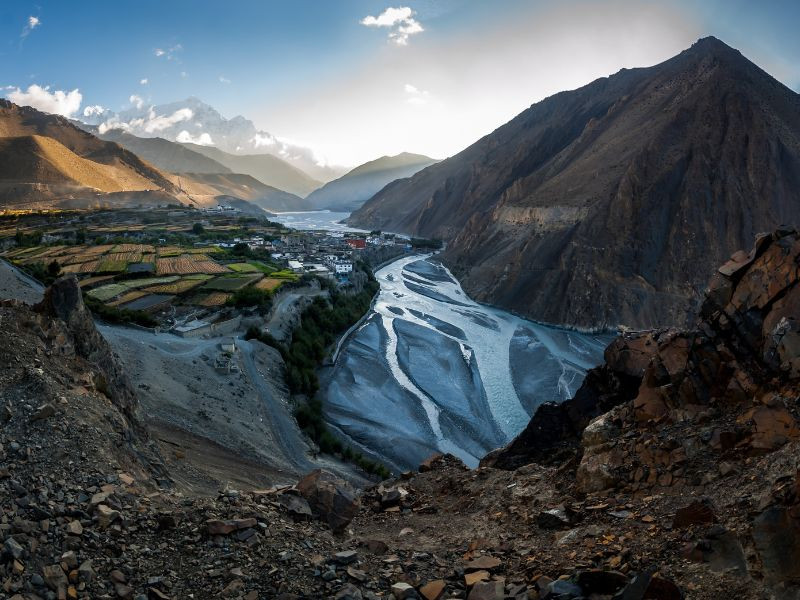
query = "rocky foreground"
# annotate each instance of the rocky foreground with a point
(673, 473)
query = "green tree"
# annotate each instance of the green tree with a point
(53, 269)
(198, 228)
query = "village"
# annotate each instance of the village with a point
(187, 271)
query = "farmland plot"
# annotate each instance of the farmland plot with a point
(176, 287)
(231, 283)
(106, 292)
(111, 265)
(211, 300)
(187, 264)
(127, 297)
(269, 284)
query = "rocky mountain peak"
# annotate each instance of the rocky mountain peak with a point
(620, 196)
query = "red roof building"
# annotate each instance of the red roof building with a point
(357, 244)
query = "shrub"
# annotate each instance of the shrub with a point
(120, 316)
(251, 296)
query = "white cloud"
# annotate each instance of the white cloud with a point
(93, 111)
(144, 81)
(184, 74)
(57, 102)
(169, 53)
(400, 20)
(223, 79)
(265, 140)
(160, 122)
(137, 101)
(148, 123)
(33, 23)
(414, 95)
(204, 139)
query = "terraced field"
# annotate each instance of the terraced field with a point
(117, 274)
(187, 263)
(231, 283)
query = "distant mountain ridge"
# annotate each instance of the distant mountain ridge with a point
(611, 204)
(194, 161)
(351, 190)
(166, 155)
(267, 168)
(45, 159)
(240, 186)
(193, 121)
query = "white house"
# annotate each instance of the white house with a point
(342, 267)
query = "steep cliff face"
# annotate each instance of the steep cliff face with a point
(617, 198)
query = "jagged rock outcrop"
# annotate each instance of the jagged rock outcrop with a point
(701, 404)
(62, 308)
(617, 198)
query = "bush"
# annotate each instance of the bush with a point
(251, 296)
(45, 274)
(118, 316)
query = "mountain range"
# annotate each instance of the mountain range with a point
(350, 191)
(193, 121)
(615, 199)
(46, 161)
(193, 158)
(44, 158)
(267, 168)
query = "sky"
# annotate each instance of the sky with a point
(358, 79)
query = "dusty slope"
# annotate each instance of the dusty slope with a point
(39, 159)
(47, 161)
(616, 198)
(351, 190)
(267, 168)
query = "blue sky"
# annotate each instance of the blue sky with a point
(313, 72)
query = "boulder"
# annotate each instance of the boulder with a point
(331, 499)
(698, 512)
(776, 533)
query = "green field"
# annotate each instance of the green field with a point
(230, 283)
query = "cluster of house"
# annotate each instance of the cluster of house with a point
(221, 209)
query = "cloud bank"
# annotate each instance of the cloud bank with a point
(57, 102)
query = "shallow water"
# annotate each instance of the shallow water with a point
(431, 370)
(314, 220)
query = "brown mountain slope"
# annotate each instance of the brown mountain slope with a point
(242, 186)
(267, 168)
(46, 160)
(166, 155)
(40, 159)
(617, 198)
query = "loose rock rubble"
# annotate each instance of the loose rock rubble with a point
(673, 473)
